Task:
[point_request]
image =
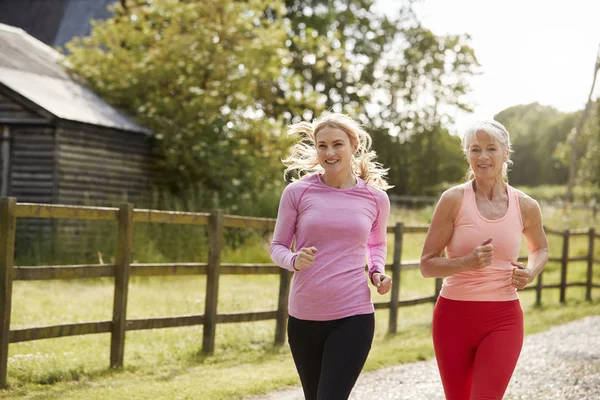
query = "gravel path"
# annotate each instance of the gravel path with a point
(562, 363)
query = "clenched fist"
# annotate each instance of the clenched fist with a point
(305, 258)
(382, 282)
(482, 255)
(521, 275)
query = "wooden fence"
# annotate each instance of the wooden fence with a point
(126, 216)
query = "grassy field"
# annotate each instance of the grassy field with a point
(168, 364)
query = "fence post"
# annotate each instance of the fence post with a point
(438, 288)
(538, 289)
(590, 266)
(438, 284)
(282, 305)
(396, 269)
(122, 261)
(564, 263)
(215, 231)
(8, 222)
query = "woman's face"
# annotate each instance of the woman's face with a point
(486, 156)
(334, 150)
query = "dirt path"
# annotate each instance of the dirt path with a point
(562, 363)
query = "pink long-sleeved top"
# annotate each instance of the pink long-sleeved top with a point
(346, 226)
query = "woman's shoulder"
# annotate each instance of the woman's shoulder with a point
(527, 203)
(303, 182)
(381, 197)
(299, 185)
(451, 201)
(375, 190)
(455, 194)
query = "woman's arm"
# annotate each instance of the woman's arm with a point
(433, 265)
(537, 242)
(377, 246)
(285, 228)
(377, 242)
(533, 230)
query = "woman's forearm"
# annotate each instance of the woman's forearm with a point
(441, 267)
(536, 261)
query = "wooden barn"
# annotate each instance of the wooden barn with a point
(61, 143)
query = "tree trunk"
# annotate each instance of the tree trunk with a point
(577, 132)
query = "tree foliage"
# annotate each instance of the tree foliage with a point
(541, 142)
(590, 164)
(397, 77)
(217, 81)
(587, 147)
(201, 76)
(535, 132)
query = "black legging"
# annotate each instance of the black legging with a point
(329, 355)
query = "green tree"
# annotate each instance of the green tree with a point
(396, 76)
(590, 165)
(217, 81)
(203, 77)
(434, 157)
(536, 131)
(542, 147)
(587, 146)
(577, 131)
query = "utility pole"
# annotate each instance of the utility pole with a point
(576, 132)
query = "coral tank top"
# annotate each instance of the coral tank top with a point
(494, 282)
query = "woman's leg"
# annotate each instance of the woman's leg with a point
(498, 351)
(454, 351)
(307, 339)
(344, 355)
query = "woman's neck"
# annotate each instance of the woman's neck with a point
(491, 189)
(344, 181)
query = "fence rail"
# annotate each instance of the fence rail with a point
(126, 216)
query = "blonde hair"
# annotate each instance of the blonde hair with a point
(303, 158)
(498, 133)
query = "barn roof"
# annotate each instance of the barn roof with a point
(34, 71)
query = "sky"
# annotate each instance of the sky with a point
(529, 50)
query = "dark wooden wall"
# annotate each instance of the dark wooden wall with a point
(32, 176)
(64, 162)
(74, 163)
(13, 111)
(32, 162)
(102, 166)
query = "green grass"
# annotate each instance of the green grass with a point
(168, 363)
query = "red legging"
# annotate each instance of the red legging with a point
(477, 345)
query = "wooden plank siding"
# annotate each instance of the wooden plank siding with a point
(32, 164)
(74, 163)
(101, 165)
(11, 110)
(32, 179)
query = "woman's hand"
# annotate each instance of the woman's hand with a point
(521, 275)
(481, 256)
(305, 258)
(382, 282)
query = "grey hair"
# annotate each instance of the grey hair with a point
(498, 133)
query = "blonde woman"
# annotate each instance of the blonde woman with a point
(338, 214)
(477, 320)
